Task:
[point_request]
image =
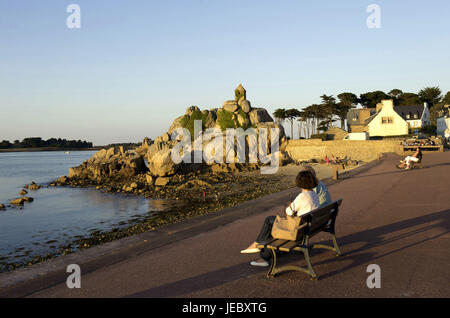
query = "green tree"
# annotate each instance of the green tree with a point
(395, 93)
(346, 102)
(328, 108)
(430, 95)
(5, 144)
(406, 99)
(280, 115)
(348, 99)
(292, 114)
(315, 113)
(446, 99)
(371, 99)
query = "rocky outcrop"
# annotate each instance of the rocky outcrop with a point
(233, 114)
(161, 164)
(245, 105)
(162, 181)
(110, 163)
(230, 106)
(259, 115)
(143, 149)
(243, 120)
(114, 163)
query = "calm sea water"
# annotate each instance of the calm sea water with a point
(58, 215)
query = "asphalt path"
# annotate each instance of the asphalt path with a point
(398, 220)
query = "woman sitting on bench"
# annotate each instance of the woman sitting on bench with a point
(416, 157)
(305, 202)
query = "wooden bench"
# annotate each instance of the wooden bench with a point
(322, 219)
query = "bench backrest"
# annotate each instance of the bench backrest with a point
(321, 218)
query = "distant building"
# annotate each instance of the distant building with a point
(357, 119)
(387, 120)
(443, 122)
(416, 116)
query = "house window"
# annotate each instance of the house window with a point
(387, 120)
(408, 116)
(416, 116)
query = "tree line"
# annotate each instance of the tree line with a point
(37, 142)
(320, 117)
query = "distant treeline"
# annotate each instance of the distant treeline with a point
(37, 142)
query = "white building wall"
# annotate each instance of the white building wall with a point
(443, 125)
(398, 127)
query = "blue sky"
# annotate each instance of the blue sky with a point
(134, 66)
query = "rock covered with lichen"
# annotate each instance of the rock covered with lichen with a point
(109, 163)
(236, 113)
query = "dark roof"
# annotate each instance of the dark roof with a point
(368, 120)
(354, 118)
(410, 110)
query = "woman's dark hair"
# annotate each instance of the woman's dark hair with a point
(306, 180)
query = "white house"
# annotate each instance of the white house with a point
(443, 123)
(386, 122)
(416, 116)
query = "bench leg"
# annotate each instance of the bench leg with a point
(273, 270)
(273, 264)
(310, 268)
(335, 248)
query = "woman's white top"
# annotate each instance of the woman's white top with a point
(305, 202)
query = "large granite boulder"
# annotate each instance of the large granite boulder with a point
(245, 106)
(192, 110)
(176, 124)
(240, 93)
(231, 106)
(211, 117)
(143, 149)
(243, 120)
(161, 164)
(259, 115)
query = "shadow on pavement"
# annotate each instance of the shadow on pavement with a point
(200, 282)
(377, 237)
(359, 256)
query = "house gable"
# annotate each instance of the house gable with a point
(387, 122)
(416, 115)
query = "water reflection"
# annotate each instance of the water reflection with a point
(58, 215)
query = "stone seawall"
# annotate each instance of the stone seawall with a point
(366, 150)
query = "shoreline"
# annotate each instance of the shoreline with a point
(8, 150)
(229, 191)
(36, 277)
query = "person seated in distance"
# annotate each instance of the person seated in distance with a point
(416, 157)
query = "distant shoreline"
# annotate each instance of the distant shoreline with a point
(48, 149)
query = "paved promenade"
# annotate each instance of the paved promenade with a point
(399, 220)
